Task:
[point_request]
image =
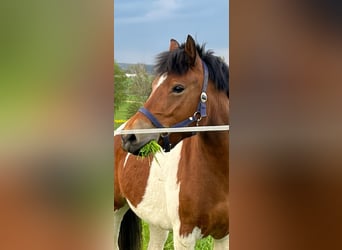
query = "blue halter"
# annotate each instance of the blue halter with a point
(197, 116)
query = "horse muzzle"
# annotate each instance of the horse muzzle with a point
(132, 143)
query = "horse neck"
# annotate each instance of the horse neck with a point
(217, 114)
(217, 107)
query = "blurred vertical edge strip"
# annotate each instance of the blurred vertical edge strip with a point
(286, 125)
(56, 124)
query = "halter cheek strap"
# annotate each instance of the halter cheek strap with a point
(197, 116)
(202, 105)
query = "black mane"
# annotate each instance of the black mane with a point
(177, 62)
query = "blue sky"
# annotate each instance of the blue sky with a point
(143, 28)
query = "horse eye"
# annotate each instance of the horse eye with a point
(177, 89)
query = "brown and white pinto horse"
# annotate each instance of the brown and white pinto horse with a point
(185, 190)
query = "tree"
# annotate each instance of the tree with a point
(121, 83)
(139, 89)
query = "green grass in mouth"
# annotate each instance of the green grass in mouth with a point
(150, 148)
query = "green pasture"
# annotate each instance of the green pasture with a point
(120, 114)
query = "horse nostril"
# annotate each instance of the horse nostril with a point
(132, 138)
(129, 138)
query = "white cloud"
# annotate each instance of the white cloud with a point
(134, 56)
(222, 52)
(160, 10)
(148, 57)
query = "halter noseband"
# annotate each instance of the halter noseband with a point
(197, 116)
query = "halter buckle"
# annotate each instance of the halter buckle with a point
(204, 97)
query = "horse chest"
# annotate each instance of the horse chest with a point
(204, 194)
(159, 204)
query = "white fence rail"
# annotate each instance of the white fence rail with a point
(172, 130)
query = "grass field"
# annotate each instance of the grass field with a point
(203, 244)
(120, 114)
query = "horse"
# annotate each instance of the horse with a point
(185, 188)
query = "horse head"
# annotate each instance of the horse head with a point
(178, 97)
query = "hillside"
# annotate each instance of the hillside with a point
(125, 66)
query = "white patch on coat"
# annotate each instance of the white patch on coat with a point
(126, 158)
(160, 202)
(189, 241)
(118, 216)
(122, 126)
(161, 80)
(158, 238)
(222, 244)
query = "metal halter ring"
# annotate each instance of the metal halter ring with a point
(164, 134)
(198, 117)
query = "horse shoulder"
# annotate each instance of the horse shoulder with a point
(131, 174)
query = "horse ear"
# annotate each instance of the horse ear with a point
(173, 45)
(190, 50)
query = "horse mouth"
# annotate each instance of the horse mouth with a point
(136, 153)
(133, 143)
(132, 147)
